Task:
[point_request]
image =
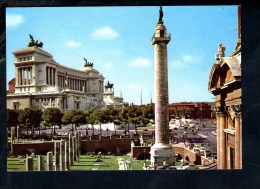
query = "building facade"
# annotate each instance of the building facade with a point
(41, 81)
(200, 110)
(225, 84)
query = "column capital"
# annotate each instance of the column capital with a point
(221, 114)
(220, 110)
(237, 109)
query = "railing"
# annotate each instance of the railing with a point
(167, 35)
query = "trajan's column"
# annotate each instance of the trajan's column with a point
(161, 152)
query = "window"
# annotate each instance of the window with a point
(161, 33)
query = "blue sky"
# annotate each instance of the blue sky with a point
(118, 41)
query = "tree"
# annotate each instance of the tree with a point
(23, 119)
(30, 118)
(76, 117)
(11, 118)
(113, 116)
(101, 116)
(90, 119)
(52, 116)
(79, 118)
(36, 117)
(147, 113)
(135, 115)
(125, 116)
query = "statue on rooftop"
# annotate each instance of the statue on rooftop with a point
(221, 53)
(33, 43)
(88, 64)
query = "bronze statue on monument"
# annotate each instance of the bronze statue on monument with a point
(160, 14)
(33, 43)
(109, 86)
(88, 64)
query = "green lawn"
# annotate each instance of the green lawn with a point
(86, 162)
(147, 127)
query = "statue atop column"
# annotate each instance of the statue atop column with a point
(33, 43)
(160, 14)
(108, 86)
(88, 64)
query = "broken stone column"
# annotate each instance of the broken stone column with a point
(74, 147)
(17, 133)
(62, 155)
(57, 155)
(70, 150)
(67, 155)
(49, 161)
(78, 136)
(79, 142)
(41, 164)
(29, 164)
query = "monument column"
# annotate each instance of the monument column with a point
(222, 137)
(218, 140)
(161, 151)
(237, 141)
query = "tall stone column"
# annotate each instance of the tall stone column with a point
(241, 151)
(50, 77)
(237, 141)
(222, 149)
(161, 151)
(218, 140)
(47, 75)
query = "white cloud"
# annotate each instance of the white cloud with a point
(188, 58)
(104, 33)
(140, 62)
(186, 61)
(13, 20)
(177, 64)
(73, 44)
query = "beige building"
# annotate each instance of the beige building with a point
(225, 84)
(41, 81)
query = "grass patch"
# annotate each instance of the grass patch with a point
(86, 163)
(147, 127)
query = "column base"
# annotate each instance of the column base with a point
(160, 153)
